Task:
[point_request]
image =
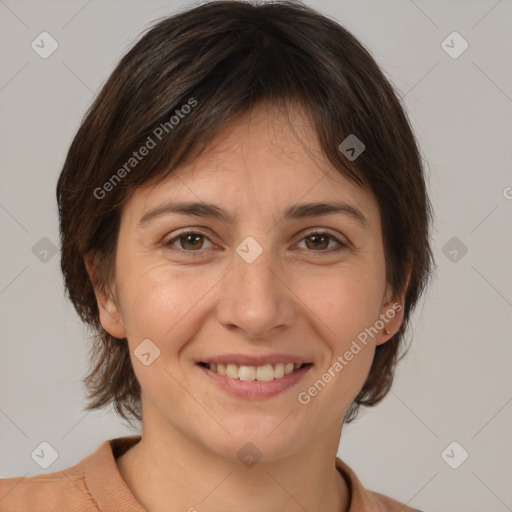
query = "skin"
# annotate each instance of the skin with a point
(296, 297)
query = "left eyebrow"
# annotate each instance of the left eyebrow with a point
(296, 211)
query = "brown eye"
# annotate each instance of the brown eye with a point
(188, 242)
(191, 241)
(319, 241)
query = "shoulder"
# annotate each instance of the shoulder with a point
(91, 485)
(362, 499)
(57, 490)
(387, 504)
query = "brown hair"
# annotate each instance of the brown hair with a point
(225, 56)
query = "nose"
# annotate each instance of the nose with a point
(256, 298)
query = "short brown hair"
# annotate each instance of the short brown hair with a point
(226, 56)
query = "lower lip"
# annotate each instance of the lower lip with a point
(255, 389)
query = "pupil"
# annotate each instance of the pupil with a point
(318, 238)
(192, 237)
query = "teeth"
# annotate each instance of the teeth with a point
(288, 368)
(247, 372)
(279, 370)
(263, 373)
(232, 371)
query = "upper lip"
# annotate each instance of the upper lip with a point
(246, 360)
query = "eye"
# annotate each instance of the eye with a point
(318, 241)
(191, 242)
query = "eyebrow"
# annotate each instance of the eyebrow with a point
(296, 211)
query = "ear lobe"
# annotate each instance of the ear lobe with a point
(110, 316)
(392, 313)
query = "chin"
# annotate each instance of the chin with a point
(253, 439)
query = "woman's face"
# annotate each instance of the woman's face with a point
(254, 283)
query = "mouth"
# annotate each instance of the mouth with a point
(251, 382)
(262, 373)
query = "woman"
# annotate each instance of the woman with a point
(245, 224)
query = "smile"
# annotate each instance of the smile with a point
(263, 373)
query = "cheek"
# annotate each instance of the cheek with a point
(345, 306)
(165, 309)
(158, 306)
(344, 313)
(156, 296)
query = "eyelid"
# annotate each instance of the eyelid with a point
(343, 242)
(185, 231)
(325, 231)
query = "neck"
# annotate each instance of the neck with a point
(174, 473)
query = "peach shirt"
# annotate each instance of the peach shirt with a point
(95, 484)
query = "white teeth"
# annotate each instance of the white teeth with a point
(279, 370)
(262, 373)
(288, 368)
(246, 373)
(232, 370)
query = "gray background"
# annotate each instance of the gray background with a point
(455, 384)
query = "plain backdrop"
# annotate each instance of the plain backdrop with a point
(453, 392)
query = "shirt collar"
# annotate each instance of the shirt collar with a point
(101, 468)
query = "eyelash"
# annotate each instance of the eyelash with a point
(342, 245)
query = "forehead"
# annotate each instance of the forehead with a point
(262, 141)
(260, 162)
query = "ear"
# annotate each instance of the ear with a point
(392, 312)
(110, 315)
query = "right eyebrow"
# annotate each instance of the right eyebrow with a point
(296, 211)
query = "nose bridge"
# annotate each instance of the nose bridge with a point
(256, 300)
(255, 268)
